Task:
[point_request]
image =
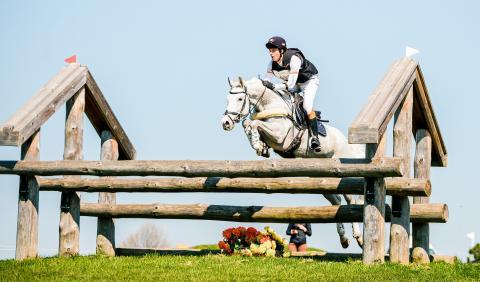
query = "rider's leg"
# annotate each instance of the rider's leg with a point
(309, 89)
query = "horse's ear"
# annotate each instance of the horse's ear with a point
(241, 81)
(229, 82)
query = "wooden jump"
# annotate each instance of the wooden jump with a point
(401, 95)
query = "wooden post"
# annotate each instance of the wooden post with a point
(374, 210)
(400, 227)
(69, 240)
(105, 225)
(423, 159)
(27, 223)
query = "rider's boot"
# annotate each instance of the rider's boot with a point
(314, 143)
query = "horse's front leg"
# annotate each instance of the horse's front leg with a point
(357, 233)
(251, 130)
(335, 200)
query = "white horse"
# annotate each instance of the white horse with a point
(272, 126)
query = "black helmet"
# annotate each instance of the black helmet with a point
(276, 42)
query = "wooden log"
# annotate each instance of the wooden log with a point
(400, 227)
(165, 251)
(105, 225)
(374, 210)
(423, 153)
(382, 167)
(303, 185)
(27, 222)
(69, 239)
(103, 118)
(327, 214)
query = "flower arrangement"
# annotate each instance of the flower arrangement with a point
(251, 242)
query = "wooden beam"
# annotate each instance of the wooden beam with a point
(301, 185)
(69, 239)
(400, 227)
(383, 167)
(102, 118)
(424, 117)
(105, 225)
(27, 222)
(374, 210)
(327, 214)
(29, 118)
(372, 121)
(423, 154)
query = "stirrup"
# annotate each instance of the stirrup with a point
(315, 144)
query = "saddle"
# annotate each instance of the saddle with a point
(300, 116)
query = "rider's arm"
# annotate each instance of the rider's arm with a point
(295, 64)
(269, 75)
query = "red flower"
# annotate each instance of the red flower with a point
(227, 233)
(224, 246)
(264, 239)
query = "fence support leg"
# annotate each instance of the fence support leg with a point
(423, 159)
(27, 223)
(400, 226)
(69, 240)
(374, 211)
(106, 225)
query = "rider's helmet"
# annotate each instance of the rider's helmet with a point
(276, 42)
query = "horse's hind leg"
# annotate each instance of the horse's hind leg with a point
(357, 233)
(336, 200)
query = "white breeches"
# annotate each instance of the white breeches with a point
(309, 89)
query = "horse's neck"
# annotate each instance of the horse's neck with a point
(269, 100)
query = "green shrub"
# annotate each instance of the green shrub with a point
(475, 252)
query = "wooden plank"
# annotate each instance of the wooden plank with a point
(261, 168)
(437, 213)
(424, 117)
(44, 92)
(36, 112)
(69, 229)
(165, 251)
(368, 128)
(27, 222)
(423, 154)
(102, 118)
(106, 225)
(374, 210)
(302, 185)
(400, 227)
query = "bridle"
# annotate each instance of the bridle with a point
(239, 117)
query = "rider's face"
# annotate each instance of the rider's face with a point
(275, 54)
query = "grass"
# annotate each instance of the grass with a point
(220, 267)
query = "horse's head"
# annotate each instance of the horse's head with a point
(238, 104)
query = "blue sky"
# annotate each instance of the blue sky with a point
(163, 68)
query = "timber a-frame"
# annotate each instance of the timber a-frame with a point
(371, 122)
(74, 86)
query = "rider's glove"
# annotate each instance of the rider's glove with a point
(268, 84)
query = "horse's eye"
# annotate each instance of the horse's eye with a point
(240, 99)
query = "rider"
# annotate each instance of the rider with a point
(298, 74)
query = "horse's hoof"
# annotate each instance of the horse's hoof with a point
(345, 243)
(360, 242)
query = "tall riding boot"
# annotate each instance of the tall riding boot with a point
(314, 141)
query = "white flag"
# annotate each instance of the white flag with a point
(409, 51)
(471, 236)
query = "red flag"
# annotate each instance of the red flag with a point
(72, 59)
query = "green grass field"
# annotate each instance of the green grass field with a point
(220, 267)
